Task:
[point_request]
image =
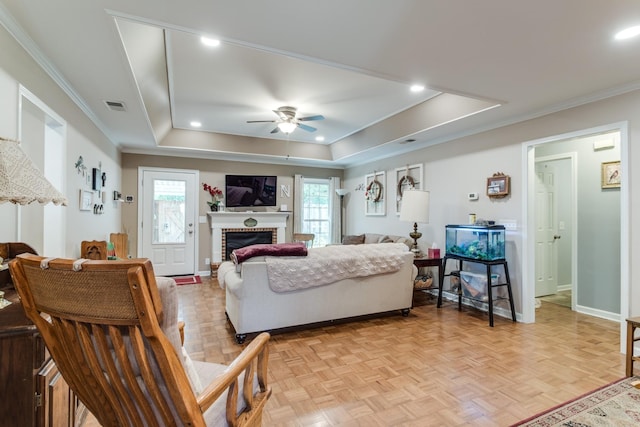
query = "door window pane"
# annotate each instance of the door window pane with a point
(169, 211)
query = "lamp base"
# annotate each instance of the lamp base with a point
(415, 235)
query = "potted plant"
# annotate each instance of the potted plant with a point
(216, 196)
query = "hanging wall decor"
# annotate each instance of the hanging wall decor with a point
(498, 186)
(408, 177)
(374, 194)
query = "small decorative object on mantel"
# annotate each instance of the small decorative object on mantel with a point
(498, 186)
(216, 196)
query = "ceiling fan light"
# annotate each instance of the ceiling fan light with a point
(286, 127)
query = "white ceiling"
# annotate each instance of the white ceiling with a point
(485, 64)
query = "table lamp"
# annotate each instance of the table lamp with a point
(415, 208)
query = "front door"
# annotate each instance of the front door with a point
(168, 220)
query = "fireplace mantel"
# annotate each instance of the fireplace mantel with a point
(238, 220)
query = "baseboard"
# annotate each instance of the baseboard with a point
(205, 273)
(562, 288)
(598, 313)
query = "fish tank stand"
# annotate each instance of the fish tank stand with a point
(490, 285)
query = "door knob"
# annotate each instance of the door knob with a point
(556, 237)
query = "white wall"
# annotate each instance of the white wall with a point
(458, 167)
(83, 138)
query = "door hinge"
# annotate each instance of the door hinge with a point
(38, 400)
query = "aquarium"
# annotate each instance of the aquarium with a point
(484, 243)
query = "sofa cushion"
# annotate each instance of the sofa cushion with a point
(353, 240)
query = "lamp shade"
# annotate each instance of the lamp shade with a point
(341, 191)
(415, 206)
(21, 182)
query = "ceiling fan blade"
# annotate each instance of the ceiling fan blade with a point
(306, 127)
(309, 118)
(261, 121)
(275, 130)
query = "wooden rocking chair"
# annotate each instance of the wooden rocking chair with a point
(120, 352)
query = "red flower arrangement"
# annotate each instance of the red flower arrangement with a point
(215, 192)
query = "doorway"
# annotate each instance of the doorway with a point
(167, 206)
(598, 241)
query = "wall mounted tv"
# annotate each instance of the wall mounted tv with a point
(250, 190)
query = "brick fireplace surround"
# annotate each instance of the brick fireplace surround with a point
(221, 222)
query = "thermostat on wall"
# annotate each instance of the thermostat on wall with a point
(472, 196)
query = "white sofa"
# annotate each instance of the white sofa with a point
(253, 306)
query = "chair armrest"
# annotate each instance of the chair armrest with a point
(252, 361)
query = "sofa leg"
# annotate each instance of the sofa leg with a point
(405, 312)
(240, 338)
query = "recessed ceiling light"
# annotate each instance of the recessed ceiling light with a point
(209, 42)
(628, 33)
(417, 88)
(319, 138)
(195, 124)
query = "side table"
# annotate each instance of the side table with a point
(430, 262)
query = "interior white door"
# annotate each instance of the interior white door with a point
(546, 230)
(168, 220)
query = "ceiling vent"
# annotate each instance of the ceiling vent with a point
(115, 105)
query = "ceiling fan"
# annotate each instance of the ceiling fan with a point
(288, 121)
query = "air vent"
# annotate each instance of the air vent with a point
(115, 105)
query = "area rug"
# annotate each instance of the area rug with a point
(616, 404)
(187, 280)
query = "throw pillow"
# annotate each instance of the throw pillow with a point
(353, 240)
(386, 239)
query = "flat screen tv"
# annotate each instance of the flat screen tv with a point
(250, 190)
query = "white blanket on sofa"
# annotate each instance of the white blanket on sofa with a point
(330, 264)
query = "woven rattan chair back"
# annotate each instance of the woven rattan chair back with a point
(103, 334)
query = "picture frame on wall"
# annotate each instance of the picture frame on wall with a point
(408, 177)
(86, 200)
(498, 185)
(611, 174)
(96, 179)
(375, 201)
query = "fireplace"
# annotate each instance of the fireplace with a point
(239, 238)
(247, 222)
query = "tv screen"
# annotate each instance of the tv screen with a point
(250, 190)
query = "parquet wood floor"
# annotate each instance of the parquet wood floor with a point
(437, 367)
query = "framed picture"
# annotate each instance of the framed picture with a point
(96, 179)
(611, 174)
(86, 200)
(408, 177)
(498, 185)
(374, 194)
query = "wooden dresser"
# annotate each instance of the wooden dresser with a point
(32, 391)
